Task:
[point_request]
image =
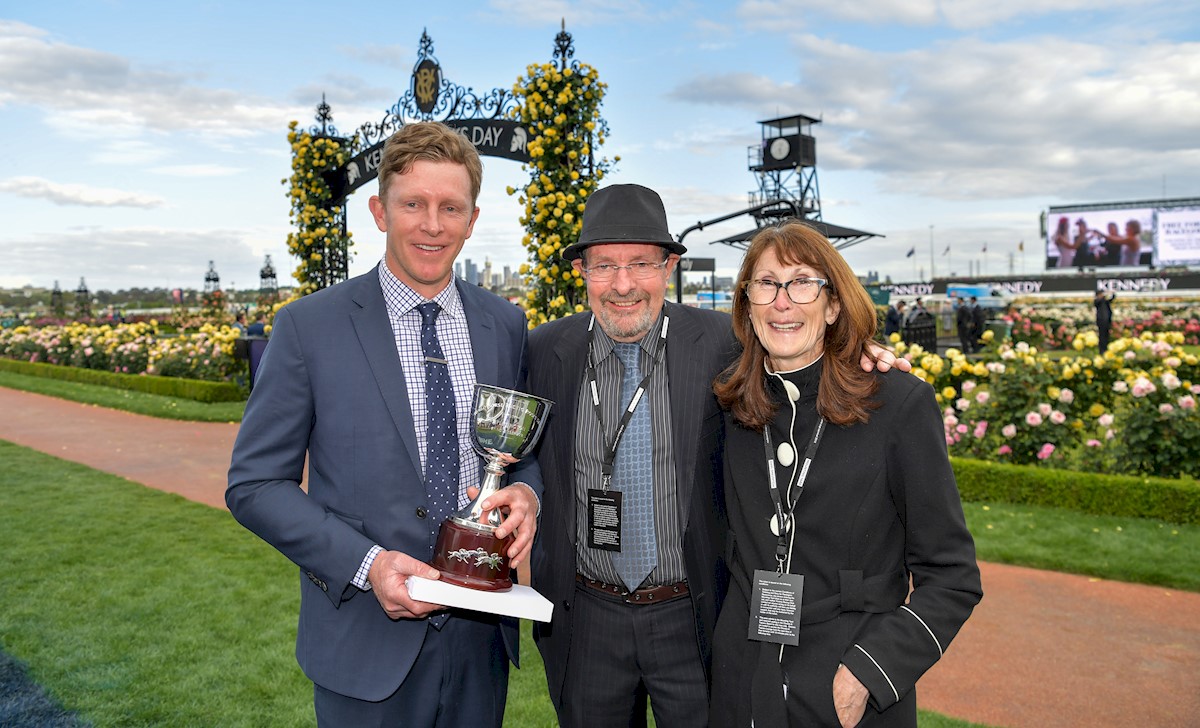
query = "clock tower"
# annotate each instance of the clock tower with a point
(785, 164)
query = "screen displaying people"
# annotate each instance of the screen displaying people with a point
(1100, 238)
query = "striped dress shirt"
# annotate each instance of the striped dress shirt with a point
(592, 443)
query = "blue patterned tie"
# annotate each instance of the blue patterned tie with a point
(633, 475)
(441, 423)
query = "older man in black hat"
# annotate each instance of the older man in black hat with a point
(632, 537)
(631, 543)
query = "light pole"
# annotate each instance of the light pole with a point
(932, 274)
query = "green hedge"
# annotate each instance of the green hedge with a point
(193, 389)
(1176, 501)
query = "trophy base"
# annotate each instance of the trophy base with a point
(471, 556)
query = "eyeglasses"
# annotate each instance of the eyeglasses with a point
(605, 272)
(763, 292)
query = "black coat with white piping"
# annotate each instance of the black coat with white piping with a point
(879, 507)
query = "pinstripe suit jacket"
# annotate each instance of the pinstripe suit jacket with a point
(699, 345)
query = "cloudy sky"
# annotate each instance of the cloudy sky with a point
(139, 143)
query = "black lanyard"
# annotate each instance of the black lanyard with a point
(784, 517)
(610, 452)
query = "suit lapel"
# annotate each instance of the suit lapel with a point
(482, 327)
(571, 351)
(378, 342)
(687, 395)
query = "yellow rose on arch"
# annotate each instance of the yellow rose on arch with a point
(559, 105)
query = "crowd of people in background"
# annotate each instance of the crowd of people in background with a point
(970, 319)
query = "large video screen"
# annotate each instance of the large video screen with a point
(1096, 238)
(1177, 236)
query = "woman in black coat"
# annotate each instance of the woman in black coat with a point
(865, 495)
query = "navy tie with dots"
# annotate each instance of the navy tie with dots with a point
(633, 475)
(441, 423)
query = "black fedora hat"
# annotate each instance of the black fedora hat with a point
(624, 214)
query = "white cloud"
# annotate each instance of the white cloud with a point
(389, 56)
(969, 119)
(89, 91)
(579, 13)
(77, 195)
(743, 88)
(197, 170)
(342, 90)
(704, 140)
(793, 15)
(111, 259)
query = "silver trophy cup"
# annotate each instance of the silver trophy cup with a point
(507, 425)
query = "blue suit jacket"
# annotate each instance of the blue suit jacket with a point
(331, 386)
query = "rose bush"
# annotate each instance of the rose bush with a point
(1132, 410)
(137, 348)
(560, 108)
(320, 242)
(1054, 326)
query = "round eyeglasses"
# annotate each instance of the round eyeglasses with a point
(763, 292)
(605, 272)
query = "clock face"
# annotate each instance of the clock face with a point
(780, 148)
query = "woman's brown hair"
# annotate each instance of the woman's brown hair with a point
(845, 389)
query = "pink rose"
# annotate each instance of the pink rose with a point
(1004, 450)
(1033, 419)
(1142, 387)
(1009, 431)
(1046, 451)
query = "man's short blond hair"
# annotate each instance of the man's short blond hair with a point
(431, 141)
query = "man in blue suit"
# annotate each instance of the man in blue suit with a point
(345, 383)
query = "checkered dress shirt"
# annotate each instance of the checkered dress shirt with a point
(455, 338)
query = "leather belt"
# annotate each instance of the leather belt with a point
(638, 597)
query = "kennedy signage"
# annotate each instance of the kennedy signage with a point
(911, 289)
(1134, 284)
(1146, 283)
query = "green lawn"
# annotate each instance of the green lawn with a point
(154, 405)
(1137, 550)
